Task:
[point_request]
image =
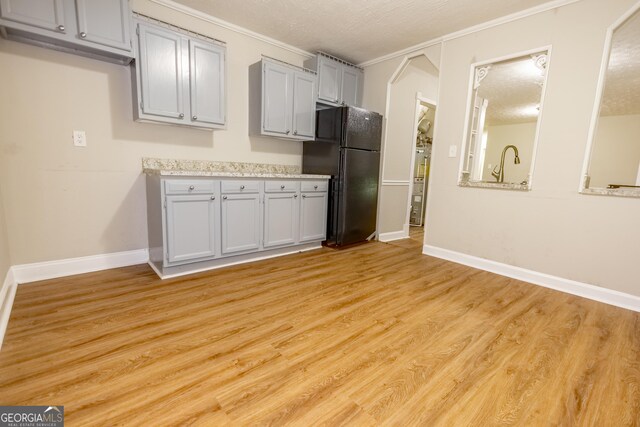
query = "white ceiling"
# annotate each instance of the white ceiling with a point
(358, 30)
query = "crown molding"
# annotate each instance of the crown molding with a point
(470, 30)
(170, 4)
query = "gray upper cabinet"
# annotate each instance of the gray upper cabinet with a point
(95, 28)
(179, 79)
(339, 82)
(96, 19)
(282, 100)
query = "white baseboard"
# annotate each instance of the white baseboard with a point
(7, 294)
(596, 293)
(26, 273)
(393, 235)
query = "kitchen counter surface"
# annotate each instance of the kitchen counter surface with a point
(171, 167)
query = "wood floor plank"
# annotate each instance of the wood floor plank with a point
(376, 334)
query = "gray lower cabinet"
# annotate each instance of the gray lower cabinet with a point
(99, 29)
(280, 219)
(179, 79)
(191, 227)
(197, 223)
(313, 216)
(282, 101)
(240, 223)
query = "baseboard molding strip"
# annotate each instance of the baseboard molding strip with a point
(393, 235)
(26, 273)
(7, 295)
(592, 292)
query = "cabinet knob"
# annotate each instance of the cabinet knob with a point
(191, 187)
(224, 197)
(181, 115)
(304, 196)
(288, 131)
(295, 132)
(343, 103)
(315, 187)
(282, 187)
(60, 27)
(83, 34)
(295, 196)
(194, 117)
(242, 187)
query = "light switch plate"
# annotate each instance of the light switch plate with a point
(453, 150)
(79, 138)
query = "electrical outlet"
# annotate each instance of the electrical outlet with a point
(79, 138)
(453, 150)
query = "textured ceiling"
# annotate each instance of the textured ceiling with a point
(513, 89)
(622, 85)
(358, 30)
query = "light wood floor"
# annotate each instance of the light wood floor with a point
(373, 335)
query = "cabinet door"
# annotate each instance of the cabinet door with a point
(191, 231)
(161, 76)
(304, 105)
(240, 223)
(313, 217)
(104, 22)
(280, 219)
(329, 76)
(276, 98)
(207, 82)
(46, 14)
(351, 86)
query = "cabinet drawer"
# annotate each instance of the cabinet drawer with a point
(240, 186)
(189, 186)
(281, 186)
(315, 185)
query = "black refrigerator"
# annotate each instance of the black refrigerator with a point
(347, 147)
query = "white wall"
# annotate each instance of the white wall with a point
(522, 135)
(61, 201)
(552, 229)
(616, 151)
(418, 75)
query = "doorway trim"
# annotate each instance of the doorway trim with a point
(432, 104)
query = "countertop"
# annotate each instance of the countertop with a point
(174, 167)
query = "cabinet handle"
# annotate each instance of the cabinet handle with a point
(304, 196)
(195, 117)
(242, 187)
(181, 115)
(288, 131)
(315, 187)
(224, 197)
(61, 28)
(191, 187)
(213, 197)
(295, 196)
(83, 34)
(343, 103)
(295, 132)
(282, 187)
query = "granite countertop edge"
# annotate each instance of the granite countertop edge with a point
(221, 174)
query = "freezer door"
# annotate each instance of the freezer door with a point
(358, 195)
(362, 129)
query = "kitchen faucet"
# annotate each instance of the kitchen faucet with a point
(499, 174)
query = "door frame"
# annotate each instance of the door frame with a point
(432, 104)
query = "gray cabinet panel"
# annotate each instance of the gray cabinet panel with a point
(304, 104)
(313, 217)
(191, 227)
(161, 76)
(350, 78)
(207, 82)
(46, 14)
(240, 223)
(329, 80)
(104, 22)
(276, 103)
(280, 219)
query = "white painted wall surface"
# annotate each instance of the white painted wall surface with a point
(552, 229)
